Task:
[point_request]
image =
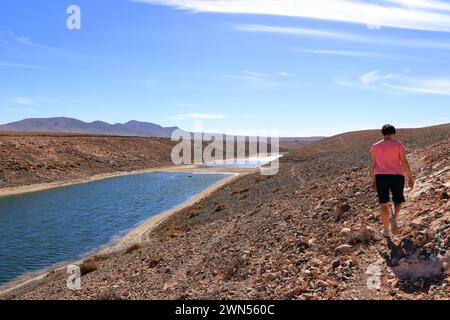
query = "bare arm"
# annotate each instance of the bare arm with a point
(407, 169)
(372, 171)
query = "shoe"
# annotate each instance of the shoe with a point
(394, 225)
(386, 234)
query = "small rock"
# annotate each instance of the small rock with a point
(153, 263)
(341, 209)
(336, 264)
(294, 293)
(345, 248)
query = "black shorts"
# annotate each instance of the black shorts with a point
(387, 183)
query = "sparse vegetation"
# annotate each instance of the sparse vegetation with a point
(50, 273)
(170, 232)
(194, 212)
(240, 191)
(87, 267)
(133, 247)
(262, 178)
(220, 207)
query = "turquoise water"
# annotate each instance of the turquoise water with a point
(42, 228)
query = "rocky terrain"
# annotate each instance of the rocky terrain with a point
(42, 158)
(310, 232)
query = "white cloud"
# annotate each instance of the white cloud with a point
(285, 74)
(20, 39)
(370, 77)
(395, 14)
(341, 36)
(267, 81)
(397, 83)
(256, 74)
(347, 53)
(436, 86)
(17, 110)
(423, 4)
(12, 64)
(25, 101)
(198, 116)
(210, 116)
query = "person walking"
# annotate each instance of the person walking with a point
(389, 166)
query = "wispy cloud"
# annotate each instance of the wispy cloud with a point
(13, 64)
(19, 110)
(348, 53)
(263, 81)
(285, 74)
(423, 4)
(256, 80)
(372, 77)
(404, 14)
(23, 101)
(24, 47)
(436, 86)
(18, 51)
(401, 82)
(341, 36)
(20, 39)
(255, 74)
(20, 100)
(197, 116)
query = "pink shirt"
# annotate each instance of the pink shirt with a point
(387, 153)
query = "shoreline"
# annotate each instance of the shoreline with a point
(134, 235)
(146, 227)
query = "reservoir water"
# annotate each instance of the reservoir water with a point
(42, 228)
(249, 162)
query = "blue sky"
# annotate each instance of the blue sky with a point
(301, 67)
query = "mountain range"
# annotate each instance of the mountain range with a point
(69, 125)
(130, 128)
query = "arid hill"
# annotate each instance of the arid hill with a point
(30, 158)
(351, 150)
(310, 232)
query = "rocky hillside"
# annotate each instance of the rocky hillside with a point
(41, 158)
(310, 232)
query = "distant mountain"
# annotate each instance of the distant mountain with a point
(301, 139)
(69, 125)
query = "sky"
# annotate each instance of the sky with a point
(297, 67)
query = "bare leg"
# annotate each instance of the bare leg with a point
(398, 208)
(385, 216)
(394, 225)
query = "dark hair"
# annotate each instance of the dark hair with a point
(388, 129)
